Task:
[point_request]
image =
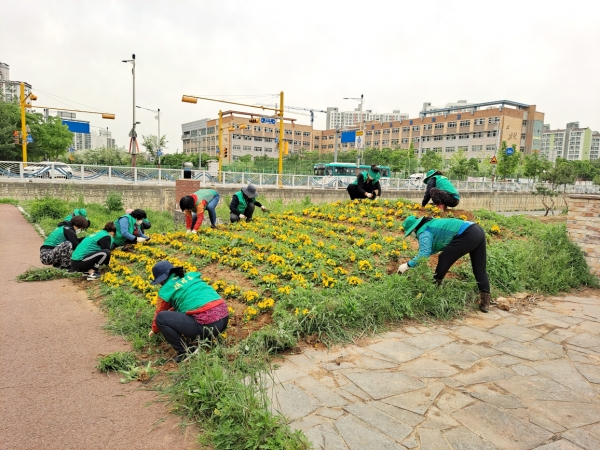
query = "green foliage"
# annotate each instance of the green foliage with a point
(597, 180)
(44, 274)
(507, 164)
(99, 156)
(117, 361)
(153, 144)
(48, 207)
(459, 165)
(561, 174)
(8, 201)
(431, 160)
(53, 138)
(114, 202)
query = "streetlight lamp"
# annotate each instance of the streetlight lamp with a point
(133, 134)
(157, 112)
(362, 100)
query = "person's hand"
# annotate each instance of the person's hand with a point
(188, 231)
(194, 231)
(403, 268)
(141, 239)
(151, 333)
(264, 208)
(368, 194)
(242, 216)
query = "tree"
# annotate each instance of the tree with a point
(561, 174)
(431, 160)
(53, 138)
(507, 163)
(535, 166)
(245, 158)
(10, 121)
(473, 165)
(459, 165)
(152, 144)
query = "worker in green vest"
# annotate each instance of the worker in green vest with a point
(454, 238)
(193, 207)
(440, 190)
(76, 212)
(187, 308)
(93, 252)
(59, 245)
(366, 185)
(126, 226)
(243, 203)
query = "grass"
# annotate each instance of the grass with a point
(45, 274)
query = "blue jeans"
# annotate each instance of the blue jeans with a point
(212, 213)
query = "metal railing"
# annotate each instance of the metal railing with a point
(81, 173)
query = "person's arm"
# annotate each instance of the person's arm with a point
(425, 248)
(105, 243)
(124, 226)
(377, 189)
(430, 184)
(259, 204)
(360, 184)
(71, 236)
(188, 220)
(161, 305)
(199, 214)
(233, 206)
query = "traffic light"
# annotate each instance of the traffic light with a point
(253, 120)
(16, 137)
(286, 148)
(225, 153)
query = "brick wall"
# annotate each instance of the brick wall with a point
(166, 198)
(583, 226)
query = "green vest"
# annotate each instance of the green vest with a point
(56, 238)
(365, 176)
(188, 293)
(443, 231)
(119, 238)
(442, 183)
(205, 194)
(89, 245)
(243, 203)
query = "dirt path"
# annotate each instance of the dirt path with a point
(51, 396)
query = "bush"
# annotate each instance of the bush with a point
(48, 207)
(114, 202)
(8, 201)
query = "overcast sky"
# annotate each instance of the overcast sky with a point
(398, 54)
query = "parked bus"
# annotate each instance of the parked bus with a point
(343, 174)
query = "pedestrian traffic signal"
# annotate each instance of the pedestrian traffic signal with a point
(253, 120)
(16, 137)
(225, 152)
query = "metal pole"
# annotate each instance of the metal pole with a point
(362, 122)
(23, 124)
(220, 154)
(106, 137)
(335, 145)
(281, 136)
(134, 148)
(158, 143)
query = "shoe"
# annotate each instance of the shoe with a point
(56, 266)
(93, 276)
(484, 301)
(184, 356)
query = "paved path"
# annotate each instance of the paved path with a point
(51, 396)
(502, 380)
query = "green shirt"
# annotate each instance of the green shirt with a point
(444, 184)
(243, 202)
(188, 293)
(89, 245)
(56, 238)
(205, 194)
(119, 238)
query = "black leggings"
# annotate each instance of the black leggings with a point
(354, 193)
(175, 325)
(92, 261)
(472, 241)
(248, 212)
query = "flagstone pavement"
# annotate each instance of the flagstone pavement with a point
(502, 380)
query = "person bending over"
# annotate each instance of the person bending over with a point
(440, 190)
(187, 308)
(193, 207)
(243, 203)
(126, 226)
(366, 185)
(94, 252)
(454, 238)
(58, 247)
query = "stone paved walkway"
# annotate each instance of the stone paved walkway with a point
(503, 380)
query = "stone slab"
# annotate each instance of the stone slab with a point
(515, 332)
(378, 419)
(463, 439)
(428, 341)
(428, 368)
(567, 414)
(523, 370)
(455, 355)
(585, 340)
(591, 373)
(452, 400)
(330, 413)
(326, 396)
(396, 350)
(585, 437)
(492, 394)
(402, 415)
(563, 372)
(521, 350)
(325, 437)
(476, 336)
(291, 401)
(359, 436)
(483, 373)
(539, 388)
(563, 444)
(432, 439)
(417, 401)
(383, 384)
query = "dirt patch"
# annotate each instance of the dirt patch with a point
(216, 272)
(238, 329)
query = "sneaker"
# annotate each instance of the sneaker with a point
(184, 356)
(93, 276)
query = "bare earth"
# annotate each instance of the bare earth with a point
(51, 396)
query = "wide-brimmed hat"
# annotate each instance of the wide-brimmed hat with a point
(410, 224)
(250, 191)
(429, 174)
(374, 174)
(162, 270)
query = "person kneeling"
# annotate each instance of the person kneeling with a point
(59, 245)
(366, 185)
(127, 226)
(243, 203)
(93, 252)
(187, 307)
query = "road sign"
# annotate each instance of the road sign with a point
(493, 160)
(358, 142)
(71, 149)
(359, 132)
(159, 153)
(348, 136)
(277, 140)
(268, 120)
(510, 151)
(29, 139)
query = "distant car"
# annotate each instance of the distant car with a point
(417, 176)
(48, 169)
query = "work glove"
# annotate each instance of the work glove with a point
(188, 231)
(264, 208)
(368, 194)
(141, 239)
(403, 268)
(242, 216)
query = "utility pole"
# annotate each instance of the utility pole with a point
(281, 135)
(359, 154)
(335, 144)
(133, 147)
(23, 123)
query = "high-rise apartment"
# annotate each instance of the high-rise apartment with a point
(10, 90)
(349, 119)
(572, 143)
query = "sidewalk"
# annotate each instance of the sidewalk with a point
(501, 380)
(52, 397)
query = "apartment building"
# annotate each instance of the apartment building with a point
(10, 91)
(478, 132)
(572, 143)
(595, 146)
(241, 137)
(348, 119)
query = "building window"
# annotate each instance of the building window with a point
(451, 124)
(377, 132)
(395, 142)
(316, 146)
(369, 133)
(523, 135)
(492, 133)
(296, 142)
(524, 123)
(494, 119)
(268, 130)
(479, 122)
(375, 143)
(247, 148)
(258, 138)
(405, 129)
(416, 128)
(258, 149)
(288, 132)
(386, 131)
(368, 143)
(521, 149)
(464, 148)
(438, 138)
(237, 147)
(385, 142)
(236, 136)
(439, 126)
(331, 137)
(395, 130)
(477, 148)
(427, 126)
(257, 128)
(306, 133)
(437, 149)
(317, 138)
(267, 139)
(247, 138)
(415, 139)
(450, 149)
(297, 133)
(463, 136)
(450, 137)
(477, 135)
(490, 148)
(465, 123)
(405, 140)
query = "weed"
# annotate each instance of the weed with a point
(116, 362)
(138, 373)
(45, 274)
(8, 201)
(48, 207)
(114, 202)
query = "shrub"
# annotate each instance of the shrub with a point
(50, 207)
(114, 202)
(8, 201)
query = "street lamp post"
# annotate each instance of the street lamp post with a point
(132, 133)
(362, 150)
(157, 112)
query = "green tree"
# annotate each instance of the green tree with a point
(473, 165)
(535, 165)
(459, 165)
(584, 170)
(53, 138)
(152, 144)
(10, 121)
(507, 164)
(431, 160)
(561, 174)
(245, 158)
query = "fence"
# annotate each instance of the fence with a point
(55, 172)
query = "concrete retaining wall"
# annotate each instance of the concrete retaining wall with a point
(163, 197)
(583, 226)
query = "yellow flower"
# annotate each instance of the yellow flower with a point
(354, 281)
(231, 310)
(250, 296)
(495, 229)
(285, 290)
(305, 311)
(364, 265)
